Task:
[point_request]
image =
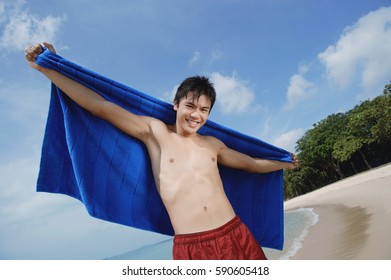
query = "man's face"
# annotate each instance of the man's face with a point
(191, 114)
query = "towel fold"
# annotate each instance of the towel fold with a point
(110, 172)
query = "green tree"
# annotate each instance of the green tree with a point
(317, 145)
(341, 143)
(368, 123)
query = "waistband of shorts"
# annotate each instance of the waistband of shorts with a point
(202, 236)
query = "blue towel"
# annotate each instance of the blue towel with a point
(110, 172)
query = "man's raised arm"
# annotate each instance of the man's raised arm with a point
(235, 159)
(134, 125)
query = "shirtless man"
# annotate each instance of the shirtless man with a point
(184, 166)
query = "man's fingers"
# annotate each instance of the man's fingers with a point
(49, 46)
(295, 160)
(30, 55)
(33, 51)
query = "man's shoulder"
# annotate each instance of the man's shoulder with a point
(158, 130)
(212, 140)
(156, 124)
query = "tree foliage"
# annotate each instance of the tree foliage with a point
(342, 145)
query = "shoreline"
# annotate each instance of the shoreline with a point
(354, 216)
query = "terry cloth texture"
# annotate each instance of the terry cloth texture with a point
(231, 241)
(110, 172)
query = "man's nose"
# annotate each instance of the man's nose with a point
(195, 113)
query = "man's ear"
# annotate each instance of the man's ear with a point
(176, 105)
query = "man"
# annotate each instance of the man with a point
(184, 164)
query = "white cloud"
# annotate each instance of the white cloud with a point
(17, 192)
(217, 54)
(168, 96)
(22, 28)
(233, 95)
(288, 139)
(42, 226)
(299, 88)
(195, 58)
(362, 51)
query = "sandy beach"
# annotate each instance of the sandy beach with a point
(354, 218)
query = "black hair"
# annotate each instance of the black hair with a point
(196, 85)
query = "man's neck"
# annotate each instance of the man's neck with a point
(174, 129)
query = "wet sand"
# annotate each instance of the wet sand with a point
(354, 218)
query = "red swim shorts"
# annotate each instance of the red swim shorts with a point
(232, 241)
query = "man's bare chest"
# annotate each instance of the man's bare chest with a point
(188, 155)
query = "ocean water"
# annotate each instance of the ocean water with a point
(158, 251)
(297, 225)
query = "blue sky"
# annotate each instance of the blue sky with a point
(279, 66)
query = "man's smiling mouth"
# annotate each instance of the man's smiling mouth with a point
(192, 122)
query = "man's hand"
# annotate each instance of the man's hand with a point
(33, 51)
(294, 163)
